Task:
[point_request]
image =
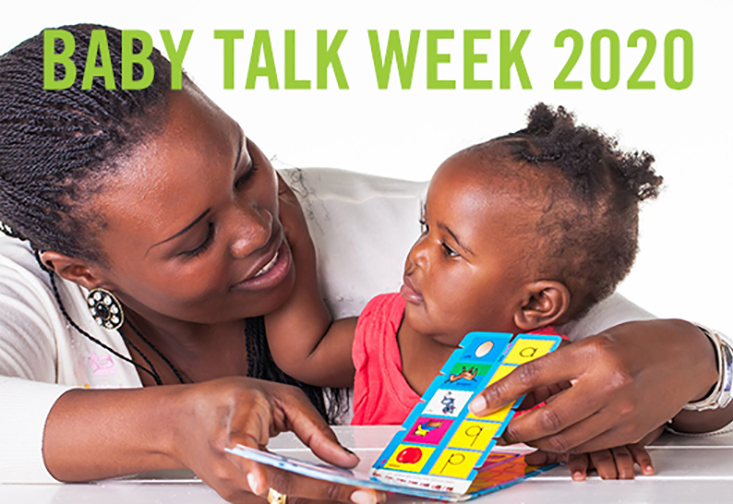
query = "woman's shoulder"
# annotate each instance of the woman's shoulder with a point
(37, 338)
(612, 311)
(17, 261)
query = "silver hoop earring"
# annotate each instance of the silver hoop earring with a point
(105, 308)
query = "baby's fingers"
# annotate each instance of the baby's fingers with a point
(624, 462)
(604, 463)
(578, 465)
(641, 456)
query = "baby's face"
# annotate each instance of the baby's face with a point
(466, 271)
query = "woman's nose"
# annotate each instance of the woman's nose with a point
(252, 229)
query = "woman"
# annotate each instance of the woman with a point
(152, 209)
(180, 309)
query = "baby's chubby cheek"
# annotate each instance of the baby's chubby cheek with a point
(433, 325)
(415, 316)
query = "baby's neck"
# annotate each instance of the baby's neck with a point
(422, 357)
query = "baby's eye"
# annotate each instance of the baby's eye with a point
(449, 251)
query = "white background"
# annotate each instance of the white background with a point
(684, 267)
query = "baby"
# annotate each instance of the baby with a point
(519, 234)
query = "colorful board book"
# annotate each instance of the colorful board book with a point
(442, 444)
(443, 451)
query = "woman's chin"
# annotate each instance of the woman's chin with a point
(262, 301)
(275, 297)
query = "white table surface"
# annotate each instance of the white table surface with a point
(696, 469)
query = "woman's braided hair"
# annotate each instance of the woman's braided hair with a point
(57, 146)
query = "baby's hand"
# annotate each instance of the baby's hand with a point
(615, 463)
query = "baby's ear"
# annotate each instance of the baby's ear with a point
(544, 303)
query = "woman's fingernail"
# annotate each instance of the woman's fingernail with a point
(478, 405)
(254, 483)
(381, 496)
(577, 476)
(363, 497)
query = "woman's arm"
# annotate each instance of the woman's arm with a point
(304, 341)
(626, 382)
(25, 406)
(707, 415)
(696, 422)
(95, 434)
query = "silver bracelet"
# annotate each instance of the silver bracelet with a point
(720, 396)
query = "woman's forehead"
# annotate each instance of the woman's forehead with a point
(170, 176)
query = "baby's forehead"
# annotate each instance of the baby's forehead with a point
(489, 214)
(493, 169)
(471, 196)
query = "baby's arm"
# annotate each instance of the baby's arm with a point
(304, 341)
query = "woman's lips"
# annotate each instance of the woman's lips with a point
(409, 293)
(271, 273)
(267, 267)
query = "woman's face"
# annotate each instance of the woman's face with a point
(190, 221)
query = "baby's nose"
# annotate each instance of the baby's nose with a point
(418, 256)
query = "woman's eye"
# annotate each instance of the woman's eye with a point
(246, 175)
(424, 226)
(200, 249)
(449, 251)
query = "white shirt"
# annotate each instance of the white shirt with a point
(362, 226)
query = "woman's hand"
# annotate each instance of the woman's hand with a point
(97, 434)
(625, 382)
(240, 411)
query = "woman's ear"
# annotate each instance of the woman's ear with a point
(72, 269)
(544, 303)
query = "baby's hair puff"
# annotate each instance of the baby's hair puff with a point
(577, 151)
(588, 229)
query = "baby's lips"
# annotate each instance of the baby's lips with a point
(410, 294)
